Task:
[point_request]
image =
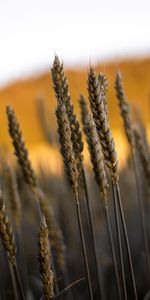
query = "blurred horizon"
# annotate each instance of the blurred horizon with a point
(24, 93)
(110, 35)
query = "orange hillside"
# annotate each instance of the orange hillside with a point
(23, 94)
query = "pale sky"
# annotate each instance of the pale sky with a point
(79, 31)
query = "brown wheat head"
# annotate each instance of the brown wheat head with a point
(102, 125)
(124, 108)
(20, 148)
(66, 149)
(6, 232)
(44, 261)
(61, 88)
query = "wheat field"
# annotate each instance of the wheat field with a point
(81, 230)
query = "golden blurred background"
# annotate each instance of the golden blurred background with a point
(23, 96)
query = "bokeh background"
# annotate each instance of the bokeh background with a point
(109, 34)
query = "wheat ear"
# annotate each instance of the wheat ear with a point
(21, 151)
(61, 88)
(96, 156)
(102, 126)
(6, 232)
(64, 133)
(143, 133)
(41, 110)
(44, 261)
(13, 195)
(31, 180)
(142, 150)
(7, 236)
(103, 90)
(124, 107)
(110, 155)
(55, 234)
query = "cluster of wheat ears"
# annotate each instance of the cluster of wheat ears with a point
(103, 156)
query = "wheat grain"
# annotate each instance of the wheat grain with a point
(102, 126)
(30, 178)
(61, 88)
(124, 108)
(55, 234)
(20, 149)
(6, 232)
(44, 261)
(142, 153)
(13, 195)
(64, 133)
(96, 156)
(103, 90)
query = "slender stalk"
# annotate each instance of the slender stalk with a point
(18, 281)
(83, 246)
(22, 271)
(112, 248)
(92, 233)
(66, 290)
(14, 286)
(140, 201)
(66, 281)
(126, 239)
(119, 241)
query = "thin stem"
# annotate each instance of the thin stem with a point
(65, 290)
(92, 232)
(119, 241)
(66, 284)
(142, 215)
(83, 246)
(23, 271)
(18, 282)
(14, 286)
(126, 239)
(112, 248)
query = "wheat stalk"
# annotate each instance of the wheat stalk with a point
(44, 261)
(70, 162)
(110, 155)
(30, 178)
(126, 115)
(84, 187)
(101, 179)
